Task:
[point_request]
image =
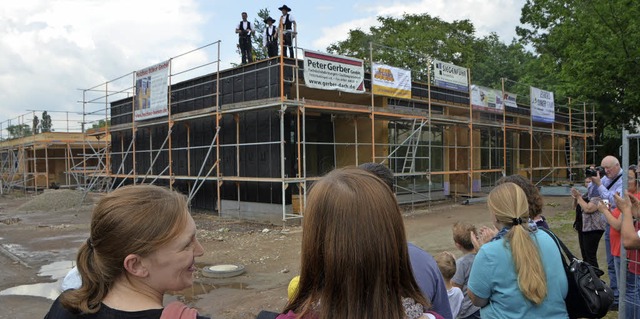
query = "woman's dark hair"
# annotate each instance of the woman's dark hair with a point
(534, 198)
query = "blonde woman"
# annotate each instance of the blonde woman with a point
(517, 273)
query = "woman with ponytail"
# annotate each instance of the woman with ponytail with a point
(517, 273)
(142, 243)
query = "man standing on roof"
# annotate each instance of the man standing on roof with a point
(289, 28)
(270, 37)
(244, 30)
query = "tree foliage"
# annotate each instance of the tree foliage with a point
(592, 49)
(409, 42)
(19, 130)
(46, 122)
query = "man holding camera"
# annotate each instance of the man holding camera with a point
(608, 186)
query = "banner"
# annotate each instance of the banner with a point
(391, 81)
(487, 99)
(542, 106)
(450, 76)
(509, 99)
(333, 72)
(151, 92)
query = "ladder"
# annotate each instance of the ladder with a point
(412, 147)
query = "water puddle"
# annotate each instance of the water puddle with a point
(50, 290)
(58, 270)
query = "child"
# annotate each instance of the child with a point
(462, 238)
(447, 264)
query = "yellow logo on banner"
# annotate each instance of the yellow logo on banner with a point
(384, 74)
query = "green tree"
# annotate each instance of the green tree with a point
(259, 51)
(18, 131)
(46, 122)
(409, 41)
(101, 124)
(592, 49)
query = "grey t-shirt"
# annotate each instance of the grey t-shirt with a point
(463, 268)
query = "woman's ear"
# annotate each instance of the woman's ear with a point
(133, 265)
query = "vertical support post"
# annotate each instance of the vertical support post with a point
(373, 121)
(470, 134)
(169, 130)
(283, 109)
(504, 132)
(46, 165)
(218, 176)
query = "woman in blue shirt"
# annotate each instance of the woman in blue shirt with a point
(518, 273)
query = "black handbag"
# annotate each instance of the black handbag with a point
(588, 295)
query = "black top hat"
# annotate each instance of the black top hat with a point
(284, 7)
(269, 19)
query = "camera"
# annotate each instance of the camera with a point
(588, 172)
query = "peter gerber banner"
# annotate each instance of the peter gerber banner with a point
(542, 106)
(391, 81)
(151, 92)
(333, 72)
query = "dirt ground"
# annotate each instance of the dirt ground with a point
(38, 247)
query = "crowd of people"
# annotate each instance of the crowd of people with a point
(142, 243)
(605, 210)
(270, 35)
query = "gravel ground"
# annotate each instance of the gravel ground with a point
(52, 200)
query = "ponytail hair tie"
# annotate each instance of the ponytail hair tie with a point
(516, 221)
(89, 243)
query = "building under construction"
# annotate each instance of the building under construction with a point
(248, 141)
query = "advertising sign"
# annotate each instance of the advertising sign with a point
(450, 76)
(487, 99)
(542, 106)
(333, 72)
(151, 92)
(391, 81)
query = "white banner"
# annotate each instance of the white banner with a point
(509, 99)
(151, 92)
(391, 81)
(333, 72)
(487, 99)
(542, 106)
(450, 76)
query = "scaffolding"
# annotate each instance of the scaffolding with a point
(248, 142)
(34, 160)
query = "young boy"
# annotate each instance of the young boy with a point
(462, 239)
(447, 265)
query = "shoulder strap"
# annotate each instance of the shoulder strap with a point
(561, 247)
(614, 181)
(178, 310)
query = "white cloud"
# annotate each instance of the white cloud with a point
(499, 16)
(330, 34)
(55, 47)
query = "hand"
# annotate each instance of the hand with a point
(627, 203)
(597, 179)
(575, 193)
(602, 207)
(483, 236)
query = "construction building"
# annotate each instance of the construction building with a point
(247, 142)
(51, 159)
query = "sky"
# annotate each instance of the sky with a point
(52, 50)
